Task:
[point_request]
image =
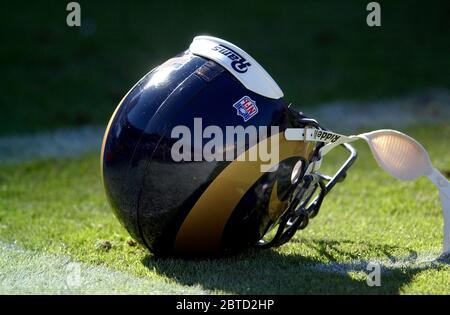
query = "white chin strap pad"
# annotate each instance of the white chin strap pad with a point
(406, 162)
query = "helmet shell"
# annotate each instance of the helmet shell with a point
(194, 207)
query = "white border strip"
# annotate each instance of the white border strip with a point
(29, 272)
(58, 144)
(338, 116)
(420, 261)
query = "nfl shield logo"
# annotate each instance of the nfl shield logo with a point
(246, 108)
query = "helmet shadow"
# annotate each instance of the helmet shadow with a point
(273, 272)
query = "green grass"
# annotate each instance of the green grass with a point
(58, 207)
(56, 76)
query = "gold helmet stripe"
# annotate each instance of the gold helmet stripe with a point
(203, 227)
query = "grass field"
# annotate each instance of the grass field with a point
(54, 212)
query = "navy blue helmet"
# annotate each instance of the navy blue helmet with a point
(195, 162)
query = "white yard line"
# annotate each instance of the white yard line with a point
(420, 261)
(338, 116)
(29, 272)
(424, 108)
(62, 143)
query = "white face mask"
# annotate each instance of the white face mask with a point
(396, 153)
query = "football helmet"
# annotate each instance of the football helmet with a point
(177, 200)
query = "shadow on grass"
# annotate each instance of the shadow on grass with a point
(272, 272)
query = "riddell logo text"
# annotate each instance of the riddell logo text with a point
(327, 136)
(238, 63)
(226, 144)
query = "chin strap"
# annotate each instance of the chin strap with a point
(312, 134)
(333, 140)
(445, 201)
(444, 193)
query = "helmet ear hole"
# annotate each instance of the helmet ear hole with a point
(296, 171)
